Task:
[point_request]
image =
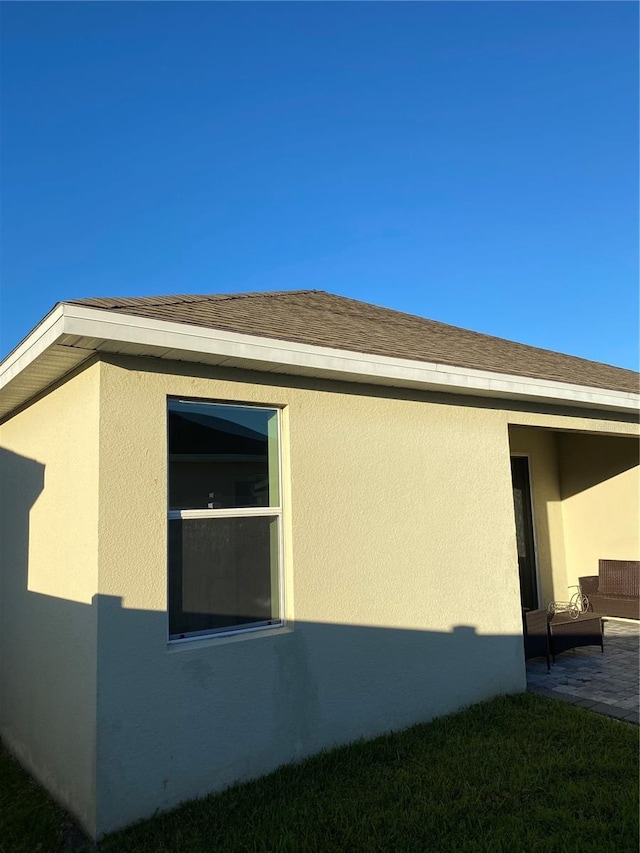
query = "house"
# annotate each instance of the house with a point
(239, 529)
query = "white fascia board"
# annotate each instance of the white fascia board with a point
(45, 335)
(278, 355)
(334, 363)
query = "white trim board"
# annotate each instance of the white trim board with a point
(90, 330)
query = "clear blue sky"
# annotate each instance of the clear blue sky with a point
(475, 163)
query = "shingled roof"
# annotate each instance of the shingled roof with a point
(323, 319)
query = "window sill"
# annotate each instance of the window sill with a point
(191, 643)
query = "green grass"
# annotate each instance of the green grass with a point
(520, 773)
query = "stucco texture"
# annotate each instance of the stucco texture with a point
(400, 578)
(600, 501)
(49, 572)
(402, 596)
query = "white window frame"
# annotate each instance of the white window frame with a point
(233, 512)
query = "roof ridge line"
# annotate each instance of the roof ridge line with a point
(223, 297)
(192, 299)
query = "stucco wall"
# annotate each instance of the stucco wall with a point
(541, 448)
(600, 501)
(402, 591)
(401, 585)
(49, 555)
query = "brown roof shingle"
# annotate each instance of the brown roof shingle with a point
(324, 319)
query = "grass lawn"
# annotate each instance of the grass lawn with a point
(520, 773)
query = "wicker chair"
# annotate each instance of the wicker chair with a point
(536, 635)
(615, 590)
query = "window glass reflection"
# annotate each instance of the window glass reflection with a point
(222, 456)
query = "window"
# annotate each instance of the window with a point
(225, 518)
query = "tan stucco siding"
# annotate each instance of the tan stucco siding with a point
(541, 448)
(49, 490)
(593, 422)
(401, 582)
(600, 501)
(401, 578)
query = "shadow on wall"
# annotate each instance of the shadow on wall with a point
(94, 696)
(588, 460)
(21, 481)
(144, 365)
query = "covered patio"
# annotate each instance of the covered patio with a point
(577, 501)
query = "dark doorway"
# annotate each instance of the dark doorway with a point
(524, 531)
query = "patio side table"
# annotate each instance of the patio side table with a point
(567, 633)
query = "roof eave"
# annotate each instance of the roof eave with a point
(70, 334)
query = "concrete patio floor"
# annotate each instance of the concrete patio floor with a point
(607, 683)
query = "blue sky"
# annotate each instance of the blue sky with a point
(475, 163)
